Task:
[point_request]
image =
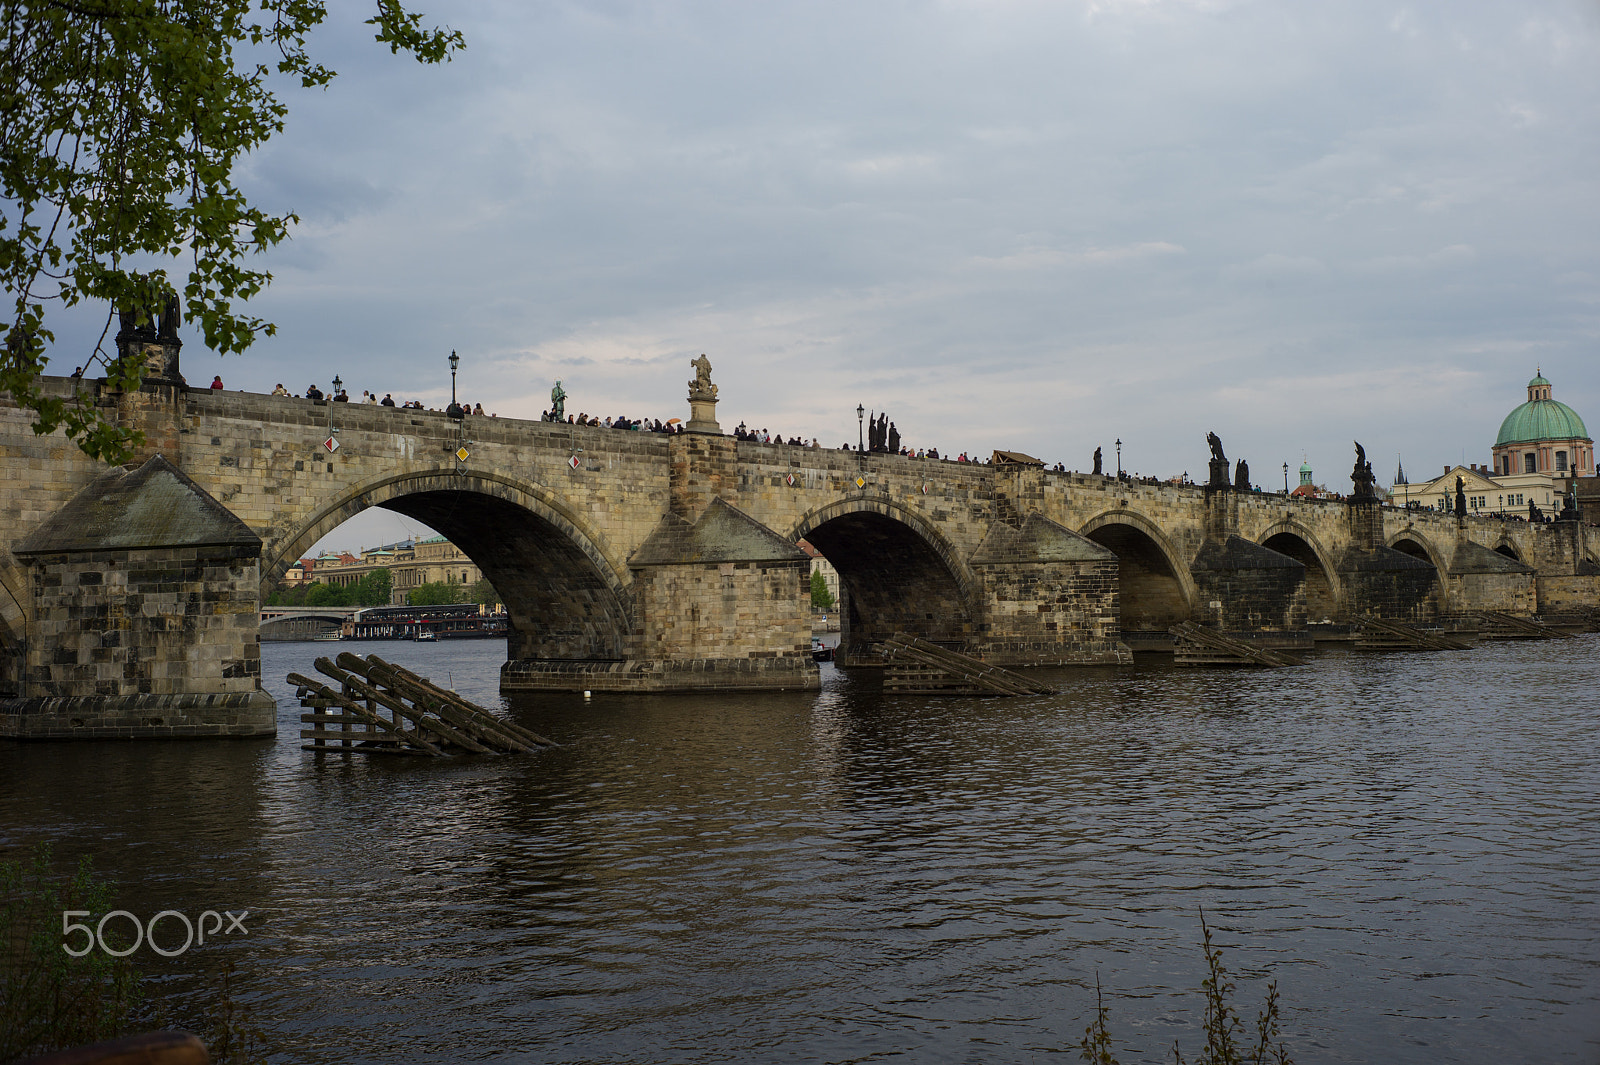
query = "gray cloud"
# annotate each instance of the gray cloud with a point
(1038, 226)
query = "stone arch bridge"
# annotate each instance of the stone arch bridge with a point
(662, 562)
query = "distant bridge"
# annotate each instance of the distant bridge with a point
(303, 622)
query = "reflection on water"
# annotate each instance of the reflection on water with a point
(1408, 843)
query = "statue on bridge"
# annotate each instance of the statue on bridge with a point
(1097, 472)
(894, 440)
(1461, 497)
(1241, 476)
(1219, 464)
(701, 385)
(1569, 504)
(1363, 477)
(878, 434)
(558, 402)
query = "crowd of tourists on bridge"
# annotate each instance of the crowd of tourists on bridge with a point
(886, 440)
(645, 425)
(370, 398)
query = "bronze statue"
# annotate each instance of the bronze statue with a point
(558, 402)
(894, 439)
(1461, 496)
(1362, 475)
(1216, 448)
(1097, 472)
(171, 318)
(1241, 476)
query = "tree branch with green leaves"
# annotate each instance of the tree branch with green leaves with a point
(121, 123)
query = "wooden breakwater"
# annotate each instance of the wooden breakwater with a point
(914, 666)
(381, 708)
(1200, 646)
(1382, 634)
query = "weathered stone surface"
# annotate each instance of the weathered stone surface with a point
(144, 602)
(1246, 587)
(570, 524)
(152, 504)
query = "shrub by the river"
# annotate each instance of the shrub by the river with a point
(1228, 1042)
(50, 1000)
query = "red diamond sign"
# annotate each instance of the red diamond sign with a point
(573, 462)
(790, 479)
(332, 444)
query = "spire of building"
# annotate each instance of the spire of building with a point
(1400, 470)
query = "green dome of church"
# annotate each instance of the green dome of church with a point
(1541, 419)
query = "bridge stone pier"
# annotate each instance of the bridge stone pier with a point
(646, 562)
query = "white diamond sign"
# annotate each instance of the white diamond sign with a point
(573, 462)
(332, 444)
(790, 480)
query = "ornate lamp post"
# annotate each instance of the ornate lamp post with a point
(337, 384)
(1119, 458)
(861, 440)
(1286, 480)
(454, 410)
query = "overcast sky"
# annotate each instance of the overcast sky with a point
(1037, 226)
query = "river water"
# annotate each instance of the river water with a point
(1409, 844)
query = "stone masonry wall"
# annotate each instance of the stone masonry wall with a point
(749, 610)
(1052, 613)
(152, 622)
(1512, 593)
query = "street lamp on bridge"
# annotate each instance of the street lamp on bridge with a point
(1286, 480)
(861, 412)
(1119, 458)
(454, 409)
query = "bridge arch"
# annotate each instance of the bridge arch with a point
(898, 572)
(1156, 589)
(561, 583)
(1324, 590)
(1508, 548)
(1411, 542)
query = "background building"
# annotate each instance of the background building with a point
(1542, 447)
(410, 563)
(1543, 436)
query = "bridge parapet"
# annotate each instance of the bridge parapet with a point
(577, 527)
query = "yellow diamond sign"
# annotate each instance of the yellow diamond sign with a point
(462, 453)
(861, 482)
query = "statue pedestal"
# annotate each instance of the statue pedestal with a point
(1221, 476)
(703, 414)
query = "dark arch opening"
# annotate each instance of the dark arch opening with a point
(1321, 603)
(11, 665)
(1149, 592)
(892, 580)
(1508, 551)
(1408, 546)
(559, 603)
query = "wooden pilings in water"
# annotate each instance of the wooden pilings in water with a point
(1495, 625)
(1200, 646)
(382, 708)
(1381, 634)
(915, 666)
